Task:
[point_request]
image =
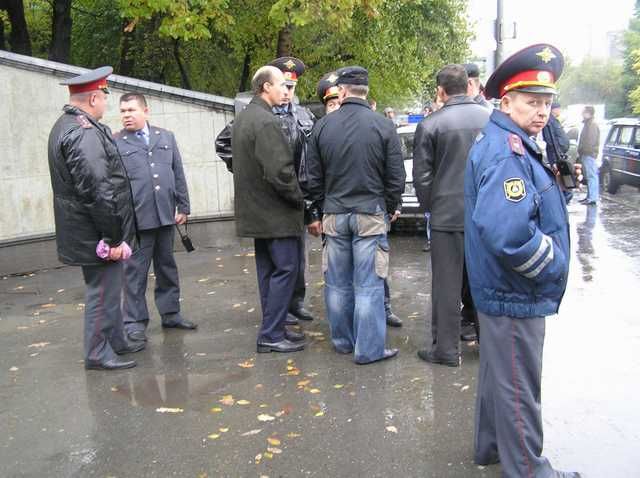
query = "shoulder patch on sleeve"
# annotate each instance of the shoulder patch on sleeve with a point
(516, 144)
(514, 189)
(84, 122)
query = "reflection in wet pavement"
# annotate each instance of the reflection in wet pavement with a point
(205, 404)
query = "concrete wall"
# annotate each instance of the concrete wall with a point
(30, 102)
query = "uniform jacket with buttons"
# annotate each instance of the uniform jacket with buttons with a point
(157, 176)
(516, 225)
(92, 199)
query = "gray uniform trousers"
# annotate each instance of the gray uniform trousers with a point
(103, 327)
(447, 263)
(508, 420)
(155, 245)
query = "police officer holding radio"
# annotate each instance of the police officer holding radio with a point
(152, 159)
(297, 123)
(517, 253)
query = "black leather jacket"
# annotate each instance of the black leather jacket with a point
(92, 197)
(440, 148)
(355, 161)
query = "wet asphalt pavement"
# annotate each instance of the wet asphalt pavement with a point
(204, 404)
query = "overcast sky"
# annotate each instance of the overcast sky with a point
(577, 27)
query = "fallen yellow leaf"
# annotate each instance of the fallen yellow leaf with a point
(268, 455)
(243, 402)
(258, 458)
(169, 410)
(213, 436)
(303, 383)
(293, 435)
(265, 418)
(247, 364)
(314, 391)
(227, 400)
(319, 414)
(47, 306)
(466, 387)
(251, 432)
(338, 386)
(273, 441)
(38, 345)
(274, 450)
(263, 405)
(216, 410)
(223, 430)
(392, 429)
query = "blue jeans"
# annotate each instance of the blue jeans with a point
(593, 181)
(355, 264)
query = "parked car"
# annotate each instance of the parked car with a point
(621, 155)
(410, 204)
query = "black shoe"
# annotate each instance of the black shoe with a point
(428, 356)
(583, 201)
(393, 320)
(175, 321)
(293, 336)
(137, 336)
(493, 460)
(301, 313)
(113, 364)
(590, 203)
(388, 353)
(468, 337)
(426, 247)
(283, 346)
(342, 351)
(132, 347)
(291, 319)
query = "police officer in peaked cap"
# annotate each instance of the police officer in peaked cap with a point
(328, 92)
(517, 253)
(94, 215)
(297, 122)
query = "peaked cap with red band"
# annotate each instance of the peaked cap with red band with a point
(327, 88)
(90, 81)
(534, 69)
(292, 68)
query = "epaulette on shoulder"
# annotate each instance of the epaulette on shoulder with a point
(84, 122)
(515, 143)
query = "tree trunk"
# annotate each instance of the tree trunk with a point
(285, 42)
(60, 47)
(184, 75)
(127, 57)
(19, 37)
(3, 46)
(244, 78)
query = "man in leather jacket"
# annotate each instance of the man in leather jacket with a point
(94, 214)
(440, 148)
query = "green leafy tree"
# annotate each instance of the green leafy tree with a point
(594, 81)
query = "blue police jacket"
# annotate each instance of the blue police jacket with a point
(516, 225)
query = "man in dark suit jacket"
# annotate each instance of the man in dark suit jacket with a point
(269, 206)
(161, 199)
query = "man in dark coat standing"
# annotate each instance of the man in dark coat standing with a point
(153, 163)
(269, 206)
(94, 215)
(440, 149)
(297, 122)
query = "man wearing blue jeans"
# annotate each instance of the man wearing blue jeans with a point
(356, 176)
(588, 152)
